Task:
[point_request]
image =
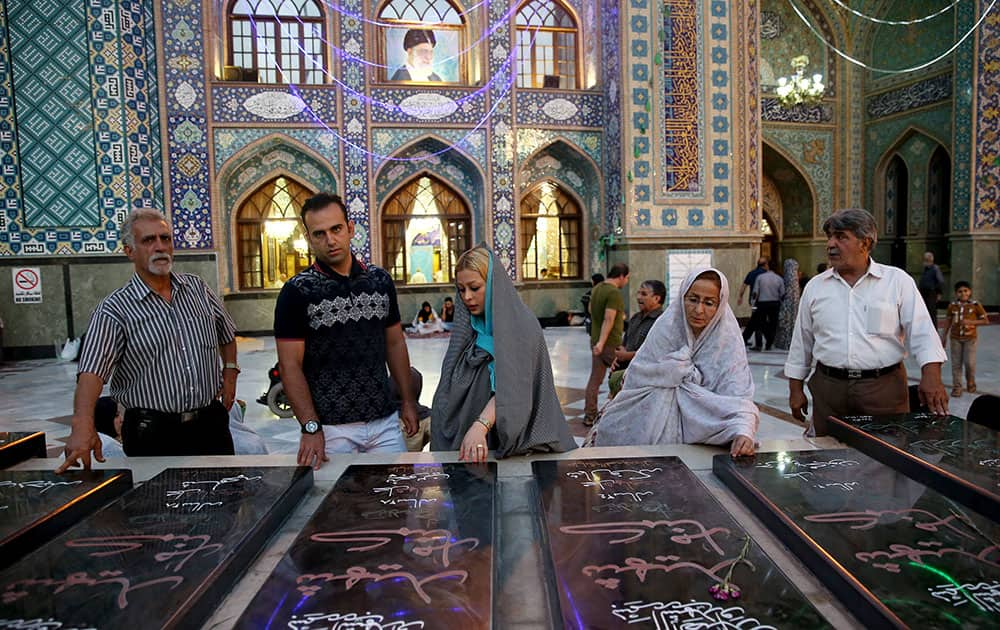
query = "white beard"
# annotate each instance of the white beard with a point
(420, 74)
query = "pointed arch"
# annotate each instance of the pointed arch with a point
(913, 164)
(573, 177)
(425, 226)
(799, 197)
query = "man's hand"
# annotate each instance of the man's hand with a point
(312, 450)
(227, 393)
(408, 414)
(474, 446)
(797, 400)
(931, 390)
(82, 440)
(621, 354)
(741, 446)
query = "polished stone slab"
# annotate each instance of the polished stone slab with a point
(161, 556)
(958, 458)
(642, 541)
(399, 544)
(15, 447)
(35, 507)
(896, 553)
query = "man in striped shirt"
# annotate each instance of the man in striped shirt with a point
(158, 340)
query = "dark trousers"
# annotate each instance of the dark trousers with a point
(764, 321)
(880, 396)
(148, 433)
(598, 368)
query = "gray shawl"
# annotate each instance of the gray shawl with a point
(682, 389)
(529, 418)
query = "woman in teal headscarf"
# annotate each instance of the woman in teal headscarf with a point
(496, 390)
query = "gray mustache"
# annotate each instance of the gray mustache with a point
(159, 257)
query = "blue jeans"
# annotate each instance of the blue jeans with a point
(382, 435)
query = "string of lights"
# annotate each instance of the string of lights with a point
(361, 18)
(843, 5)
(862, 64)
(378, 157)
(482, 90)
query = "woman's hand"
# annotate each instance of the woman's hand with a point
(742, 445)
(474, 444)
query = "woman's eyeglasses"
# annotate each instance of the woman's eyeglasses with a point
(694, 301)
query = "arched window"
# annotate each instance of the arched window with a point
(939, 193)
(272, 245)
(550, 234)
(425, 228)
(279, 40)
(546, 46)
(422, 41)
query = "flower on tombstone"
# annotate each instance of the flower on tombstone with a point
(728, 589)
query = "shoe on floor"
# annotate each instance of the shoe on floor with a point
(956, 392)
(971, 388)
(588, 421)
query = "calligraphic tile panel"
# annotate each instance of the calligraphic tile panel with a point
(37, 506)
(15, 447)
(400, 546)
(958, 458)
(162, 556)
(641, 541)
(897, 553)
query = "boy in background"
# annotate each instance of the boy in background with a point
(964, 315)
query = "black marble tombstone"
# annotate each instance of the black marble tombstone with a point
(37, 506)
(958, 458)
(897, 553)
(162, 556)
(642, 541)
(401, 546)
(17, 447)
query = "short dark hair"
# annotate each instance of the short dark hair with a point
(417, 36)
(962, 284)
(597, 279)
(820, 268)
(447, 299)
(321, 200)
(618, 270)
(658, 289)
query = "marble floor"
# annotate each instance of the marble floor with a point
(38, 395)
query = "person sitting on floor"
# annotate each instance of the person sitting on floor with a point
(447, 313)
(426, 321)
(690, 382)
(496, 390)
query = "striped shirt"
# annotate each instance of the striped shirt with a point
(157, 354)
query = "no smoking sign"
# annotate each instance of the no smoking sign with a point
(27, 285)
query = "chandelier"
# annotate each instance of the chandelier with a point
(799, 89)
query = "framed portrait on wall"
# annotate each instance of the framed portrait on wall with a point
(417, 53)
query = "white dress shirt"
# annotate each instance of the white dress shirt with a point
(870, 325)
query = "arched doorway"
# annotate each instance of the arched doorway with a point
(271, 245)
(769, 246)
(897, 209)
(550, 233)
(425, 228)
(939, 205)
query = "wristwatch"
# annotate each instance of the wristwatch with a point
(310, 427)
(231, 366)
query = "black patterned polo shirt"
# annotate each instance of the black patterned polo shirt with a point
(342, 320)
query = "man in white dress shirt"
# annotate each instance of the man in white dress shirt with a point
(858, 320)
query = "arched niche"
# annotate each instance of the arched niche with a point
(795, 212)
(435, 156)
(254, 165)
(564, 163)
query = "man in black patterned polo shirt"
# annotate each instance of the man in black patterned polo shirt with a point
(337, 326)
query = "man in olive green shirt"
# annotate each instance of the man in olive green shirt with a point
(607, 320)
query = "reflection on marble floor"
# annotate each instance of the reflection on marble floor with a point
(38, 395)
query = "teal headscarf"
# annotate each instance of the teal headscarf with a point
(483, 325)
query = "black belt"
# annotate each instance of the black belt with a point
(168, 416)
(847, 374)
